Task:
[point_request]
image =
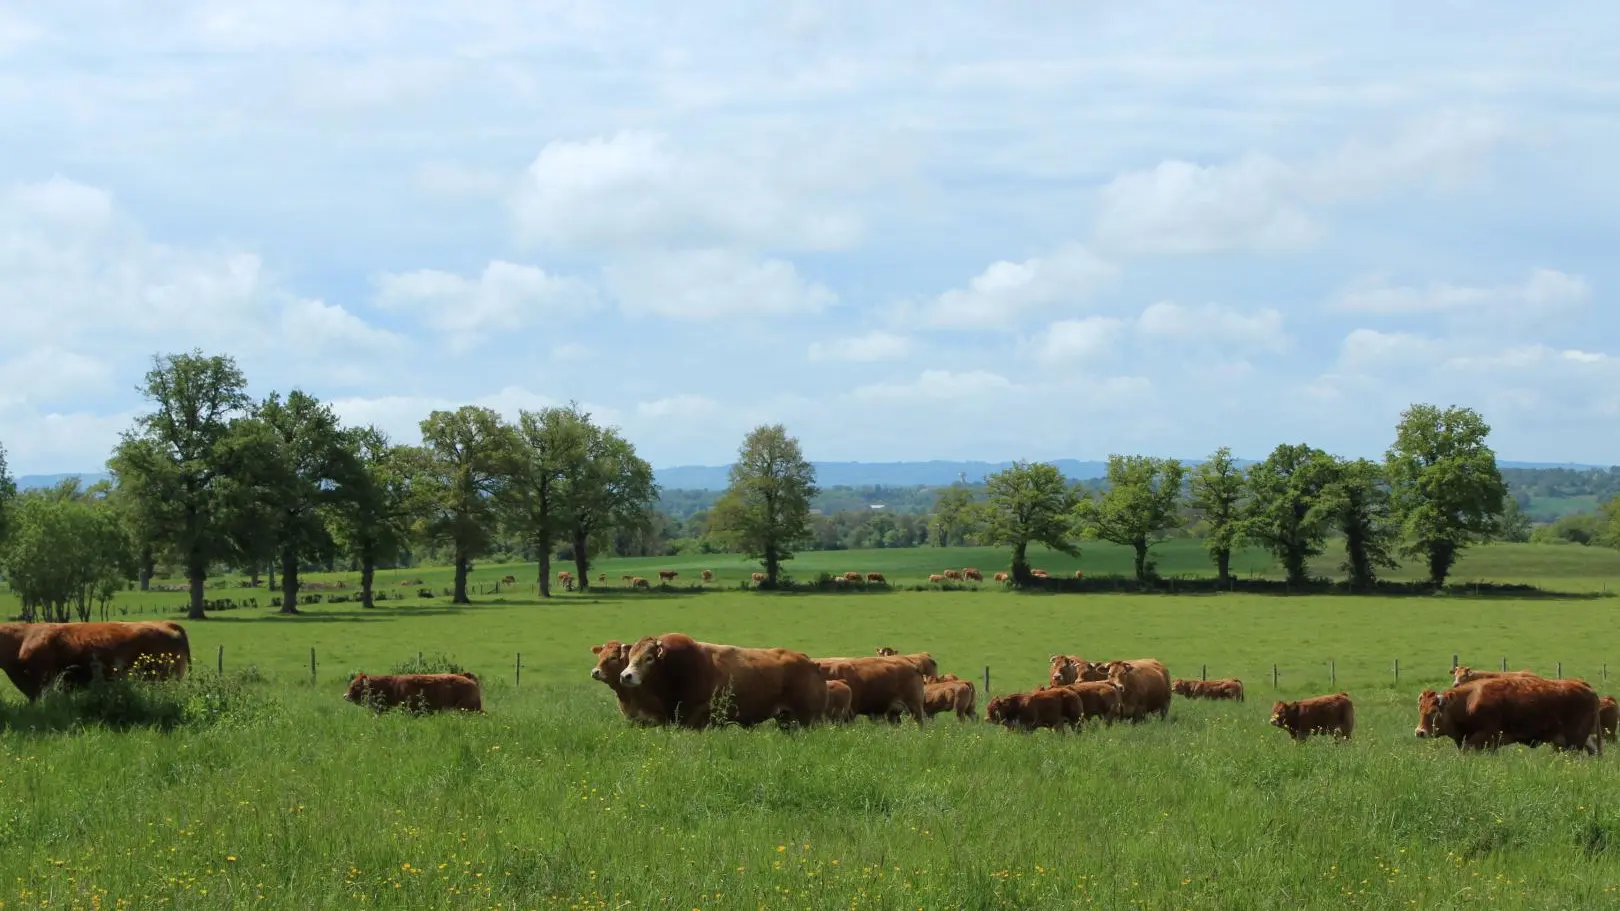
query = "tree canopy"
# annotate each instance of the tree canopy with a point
(1137, 509)
(765, 512)
(1447, 491)
(1030, 503)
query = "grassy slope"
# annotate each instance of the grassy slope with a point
(551, 801)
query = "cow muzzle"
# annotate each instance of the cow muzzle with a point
(1420, 733)
(628, 678)
(596, 673)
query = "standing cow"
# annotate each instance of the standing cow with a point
(38, 655)
(1145, 687)
(1495, 711)
(1335, 714)
(760, 684)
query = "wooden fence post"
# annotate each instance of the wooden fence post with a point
(1454, 661)
(419, 660)
(312, 664)
(1560, 670)
(987, 682)
(1504, 662)
(222, 659)
(1397, 670)
(1203, 672)
(517, 674)
(1274, 676)
(1333, 673)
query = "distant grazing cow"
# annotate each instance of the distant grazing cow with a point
(1495, 711)
(638, 582)
(936, 578)
(851, 576)
(1208, 689)
(955, 695)
(1003, 577)
(1462, 674)
(761, 684)
(667, 575)
(509, 580)
(972, 575)
(882, 686)
(1058, 708)
(758, 578)
(38, 655)
(417, 692)
(642, 706)
(602, 578)
(1146, 687)
(876, 577)
(1079, 575)
(707, 575)
(1335, 714)
(566, 579)
(626, 578)
(1608, 717)
(953, 574)
(1039, 573)
(838, 702)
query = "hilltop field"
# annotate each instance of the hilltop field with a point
(274, 792)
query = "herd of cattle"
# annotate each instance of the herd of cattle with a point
(676, 680)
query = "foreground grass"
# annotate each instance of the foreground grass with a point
(552, 801)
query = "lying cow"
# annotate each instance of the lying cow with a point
(640, 705)
(39, 655)
(762, 683)
(1058, 708)
(417, 692)
(1208, 689)
(1335, 714)
(1495, 711)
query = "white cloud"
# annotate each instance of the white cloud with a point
(49, 374)
(939, 386)
(571, 351)
(1369, 349)
(1005, 292)
(1066, 341)
(876, 345)
(51, 442)
(1259, 202)
(713, 284)
(1545, 291)
(1215, 324)
(684, 407)
(506, 296)
(635, 190)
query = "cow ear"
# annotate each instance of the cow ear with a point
(596, 650)
(1052, 660)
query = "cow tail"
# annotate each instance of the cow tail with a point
(183, 665)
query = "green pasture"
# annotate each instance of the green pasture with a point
(279, 794)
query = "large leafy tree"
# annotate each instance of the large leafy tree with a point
(1139, 507)
(371, 516)
(176, 463)
(551, 448)
(1448, 492)
(611, 488)
(1217, 490)
(467, 453)
(1029, 503)
(66, 551)
(1286, 512)
(310, 462)
(765, 512)
(1357, 501)
(955, 515)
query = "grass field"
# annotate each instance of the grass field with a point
(279, 794)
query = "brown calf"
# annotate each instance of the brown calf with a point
(1334, 714)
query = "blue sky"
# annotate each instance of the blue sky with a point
(1015, 230)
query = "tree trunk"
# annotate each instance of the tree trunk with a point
(582, 561)
(460, 594)
(270, 583)
(1141, 560)
(368, 572)
(545, 569)
(253, 577)
(148, 563)
(773, 566)
(197, 574)
(1020, 565)
(289, 580)
(1294, 565)
(1441, 556)
(1223, 565)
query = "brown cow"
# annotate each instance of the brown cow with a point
(602, 578)
(1098, 698)
(876, 577)
(417, 692)
(839, 696)
(1039, 573)
(1495, 711)
(852, 576)
(758, 578)
(38, 655)
(1334, 714)
(1462, 674)
(626, 578)
(1208, 689)
(1608, 717)
(707, 575)
(1003, 577)
(642, 706)
(509, 580)
(972, 575)
(936, 578)
(882, 686)
(1058, 708)
(1067, 669)
(638, 582)
(763, 683)
(953, 574)
(1079, 575)
(667, 575)
(1146, 687)
(957, 695)
(566, 578)
(941, 678)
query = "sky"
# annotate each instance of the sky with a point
(994, 231)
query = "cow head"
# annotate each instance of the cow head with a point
(357, 689)
(1283, 714)
(611, 657)
(1461, 674)
(1118, 670)
(1004, 709)
(1180, 687)
(886, 652)
(1065, 670)
(642, 659)
(1429, 703)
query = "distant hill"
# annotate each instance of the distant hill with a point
(32, 481)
